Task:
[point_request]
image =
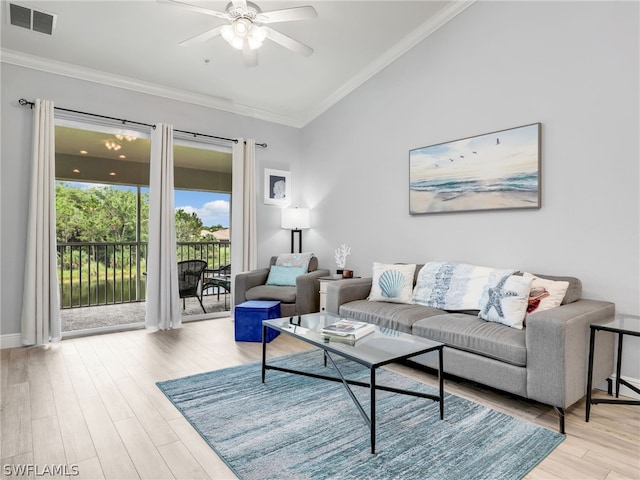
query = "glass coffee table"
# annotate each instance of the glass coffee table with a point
(382, 347)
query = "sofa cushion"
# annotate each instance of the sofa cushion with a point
(387, 315)
(474, 335)
(452, 286)
(272, 292)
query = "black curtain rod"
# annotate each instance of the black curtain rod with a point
(23, 102)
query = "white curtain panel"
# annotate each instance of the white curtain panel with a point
(250, 250)
(40, 320)
(243, 209)
(163, 310)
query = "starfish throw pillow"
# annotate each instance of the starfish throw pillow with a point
(505, 299)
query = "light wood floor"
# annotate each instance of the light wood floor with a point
(92, 402)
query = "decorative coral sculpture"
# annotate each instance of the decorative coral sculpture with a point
(341, 256)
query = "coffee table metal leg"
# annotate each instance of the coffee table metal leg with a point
(441, 382)
(619, 364)
(373, 410)
(264, 351)
(592, 342)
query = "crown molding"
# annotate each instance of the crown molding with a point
(423, 31)
(97, 76)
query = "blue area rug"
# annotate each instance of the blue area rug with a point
(295, 427)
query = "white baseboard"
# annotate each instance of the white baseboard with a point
(627, 392)
(11, 340)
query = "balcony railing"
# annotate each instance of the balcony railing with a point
(91, 274)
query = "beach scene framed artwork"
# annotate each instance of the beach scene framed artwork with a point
(493, 171)
(277, 187)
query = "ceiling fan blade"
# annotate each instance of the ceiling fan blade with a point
(288, 42)
(195, 8)
(249, 57)
(288, 14)
(240, 4)
(202, 37)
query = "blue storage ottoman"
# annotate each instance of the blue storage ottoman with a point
(249, 317)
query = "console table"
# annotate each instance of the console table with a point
(622, 325)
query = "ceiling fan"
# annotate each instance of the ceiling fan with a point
(247, 27)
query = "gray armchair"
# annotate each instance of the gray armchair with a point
(298, 300)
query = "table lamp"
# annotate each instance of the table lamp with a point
(296, 220)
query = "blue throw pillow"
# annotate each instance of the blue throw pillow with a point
(284, 276)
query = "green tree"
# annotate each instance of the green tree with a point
(117, 214)
(99, 214)
(69, 214)
(188, 226)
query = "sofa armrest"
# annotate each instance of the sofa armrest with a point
(557, 343)
(308, 291)
(246, 280)
(344, 291)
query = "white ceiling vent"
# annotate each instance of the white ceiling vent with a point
(35, 20)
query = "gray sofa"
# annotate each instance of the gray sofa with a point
(298, 300)
(546, 361)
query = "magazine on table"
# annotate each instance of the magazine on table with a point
(348, 329)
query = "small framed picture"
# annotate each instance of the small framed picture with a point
(277, 187)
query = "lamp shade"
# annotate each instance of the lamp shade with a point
(296, 218)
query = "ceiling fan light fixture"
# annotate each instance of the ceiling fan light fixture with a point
(244, 29)
(256, 37)
(241, 27)
(229, 34)
(253, 44)
(258, 33)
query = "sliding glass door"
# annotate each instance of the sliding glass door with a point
(102, 223)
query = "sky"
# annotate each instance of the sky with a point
(212, 208)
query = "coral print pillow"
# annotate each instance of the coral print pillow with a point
(392, 283)
(505, 300)
(545, 294)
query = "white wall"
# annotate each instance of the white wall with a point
(572, 66)
(17, 82)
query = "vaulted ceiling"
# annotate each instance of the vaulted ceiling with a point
(135, 45)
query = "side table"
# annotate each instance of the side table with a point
(622, 325)
(324, 281)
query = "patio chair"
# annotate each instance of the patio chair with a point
(220, 278)
(190, 274)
